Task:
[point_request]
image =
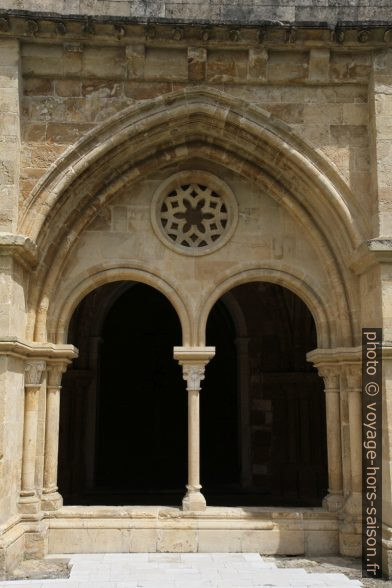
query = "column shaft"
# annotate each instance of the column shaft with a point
(334, 445)
(330, 372)
(194, 439)
(29, 440)
(355, 415)
(51, 439)
(51, 499)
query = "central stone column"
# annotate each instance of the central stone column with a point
(193, 361)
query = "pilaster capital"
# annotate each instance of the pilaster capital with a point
(331, 376)
(33, 373)
(353, 373)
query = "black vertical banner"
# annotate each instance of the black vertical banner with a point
(371, 452)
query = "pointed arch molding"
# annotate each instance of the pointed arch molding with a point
(158, 132)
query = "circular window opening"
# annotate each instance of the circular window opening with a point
(194, 212)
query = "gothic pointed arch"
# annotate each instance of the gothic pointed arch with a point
(190, 123)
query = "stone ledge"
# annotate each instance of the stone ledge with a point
(22, 248)
(179, 29)
(30, 349)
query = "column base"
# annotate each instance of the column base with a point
(350, 531)
(29, 503)
(51, 500)
(194, 499)
(353, 504)
(333, 502)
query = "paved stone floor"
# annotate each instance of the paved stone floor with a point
(188, 570)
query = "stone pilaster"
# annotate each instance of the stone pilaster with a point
(351, 528)
(193, 361)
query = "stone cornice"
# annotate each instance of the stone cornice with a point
(344, 355)
(155, 30)
(337, 355)
(371, 253)
(30, 349)
(20, 247)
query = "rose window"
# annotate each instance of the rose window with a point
(195, 212)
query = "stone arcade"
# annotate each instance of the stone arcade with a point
(195, 224)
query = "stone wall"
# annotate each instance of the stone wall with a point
(296, 120)
(216, 10)
(322, 94)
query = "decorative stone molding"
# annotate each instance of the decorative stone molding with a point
(55, 373)
(363, 36)
(18, 23)
(193, 374)
(194, 212)
(4, 25)
(33, 373)
(30, 350)
(198, 356)
(32, 27)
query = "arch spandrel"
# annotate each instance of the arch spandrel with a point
(265, 231)
(171, 129)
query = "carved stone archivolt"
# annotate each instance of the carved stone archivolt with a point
(194, 212)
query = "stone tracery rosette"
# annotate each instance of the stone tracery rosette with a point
(194, 212)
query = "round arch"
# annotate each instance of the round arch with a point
(282, 277)
(115, 272)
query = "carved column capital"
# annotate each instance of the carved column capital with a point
(331, 376)
(33, 373)
(193, 374)
(193, 361)
(55, 372)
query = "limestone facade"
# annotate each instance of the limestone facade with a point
(98, 115)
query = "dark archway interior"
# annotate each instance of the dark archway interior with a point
(123, 425)
(264, 401)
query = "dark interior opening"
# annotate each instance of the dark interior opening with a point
(125, 401)
(263, 424)
(123, 424)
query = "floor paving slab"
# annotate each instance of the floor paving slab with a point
(189, 570)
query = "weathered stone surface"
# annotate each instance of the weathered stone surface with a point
(306, 11)
(296, 124)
